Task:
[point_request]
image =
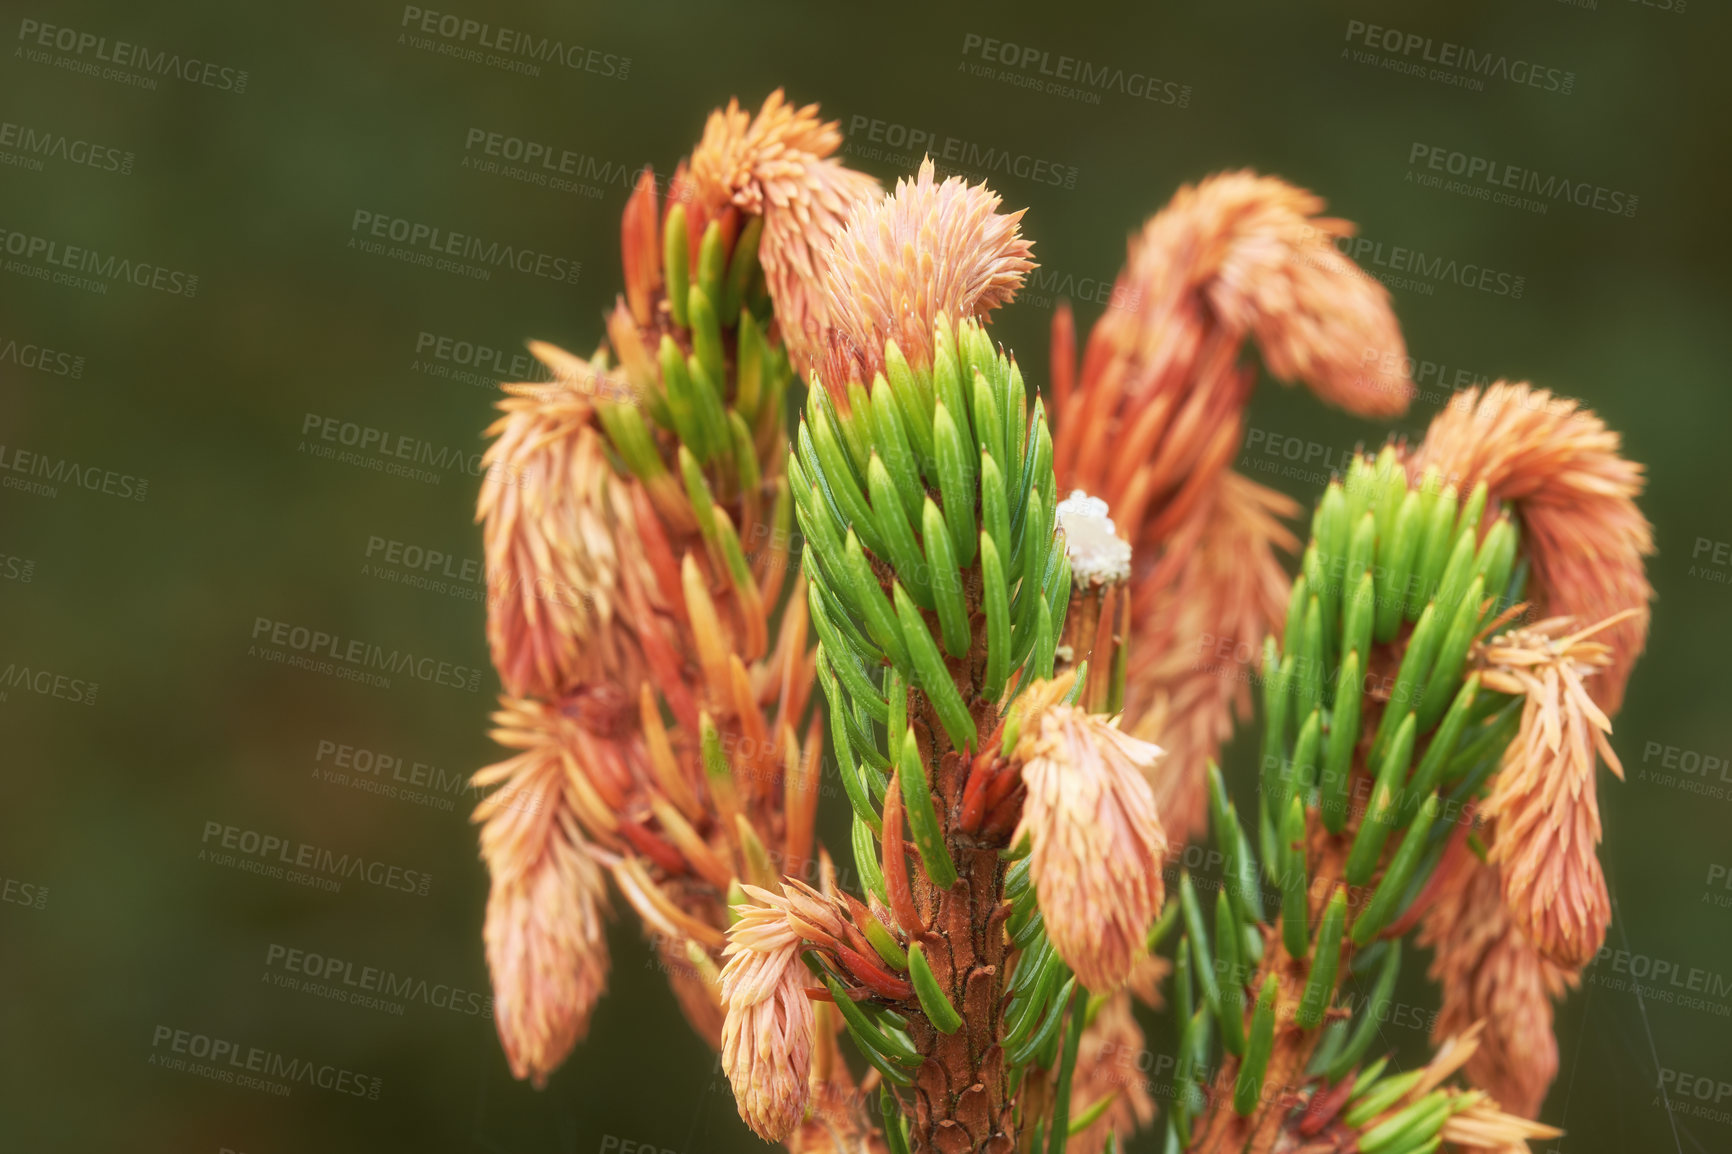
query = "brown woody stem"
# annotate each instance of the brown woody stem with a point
(1221, 1129)
(1095, 629)
(961, 1099)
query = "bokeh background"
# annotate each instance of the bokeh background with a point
(167, 715)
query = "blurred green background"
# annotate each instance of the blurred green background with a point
(115, 932)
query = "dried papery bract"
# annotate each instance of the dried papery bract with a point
(779, 165)
(1096, 844)
(544, 934)
(1489, 973)
(1154, 420)
(552, 537)
(1543, 799)
(767, 1033)
(1564, 468)
(547, 956)
(1479, 1124)
(932, 249)
(644, 610)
